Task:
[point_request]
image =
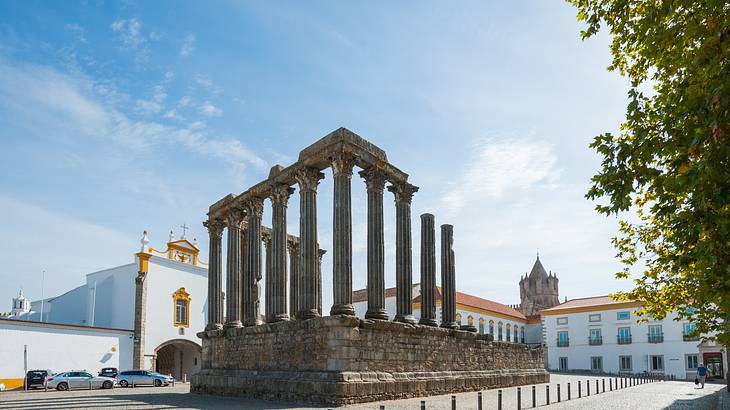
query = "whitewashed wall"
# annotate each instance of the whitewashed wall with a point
(61, 347)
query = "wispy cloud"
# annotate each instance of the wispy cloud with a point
(188, 45)
(209, 110)
(153, 105)
(77, 31)
(130, 35)
(501, 164)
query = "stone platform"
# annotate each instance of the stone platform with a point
(343, 360)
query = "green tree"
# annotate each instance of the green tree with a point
(669, 165)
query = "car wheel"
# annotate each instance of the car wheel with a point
(123, 383)
(158, 383)
(63, 386)
(107, 385)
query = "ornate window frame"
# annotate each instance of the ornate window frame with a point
(181, 295)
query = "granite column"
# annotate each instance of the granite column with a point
(252, 276)
(403, 251)
(277, 279)
(342, 164)
(448, 280)
(293, 279)
(233, 268)
(428, 271)
(375, 181)
(215, 313)
(308, 179)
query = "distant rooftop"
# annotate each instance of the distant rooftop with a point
(590, 303)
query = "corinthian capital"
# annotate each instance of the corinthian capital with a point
(403, 192)
(254, 206)
(308, 179)
(342, 163)
(234, 217)
(374, 179)
(215, 227)
(280, 194)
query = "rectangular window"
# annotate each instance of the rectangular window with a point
(481, 328)
(624, 335)
(597, 363)
(624, 363)
(181, 312)
(623, 315)
(656, 363)
(595, 337)
(690, 332)
(691, 361)
(562, 363)
(594, 317)
(562, 320)
(655, 334)
(563, 339)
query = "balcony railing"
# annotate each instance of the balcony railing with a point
(595, 340)
(563, 342)
(690, 337)
(656, 337)
(624, 340)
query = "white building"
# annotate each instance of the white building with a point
(502, 321)
(602, 335)
(160, 298)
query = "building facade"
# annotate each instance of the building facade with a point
(160, 299)
(600, 334)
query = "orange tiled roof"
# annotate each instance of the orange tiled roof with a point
(461, 299)
(594, 301)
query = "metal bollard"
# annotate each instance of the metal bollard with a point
(479, 401)
(547, 394)
(568, 391)
(453, 402)
(534, 398)
(579, 392)
(423, 404)
(610, 384)
(382, 407)
(603, 387)
(597, 387)
(519, 398)
(499, 399)
(588, 388)
(558, 392)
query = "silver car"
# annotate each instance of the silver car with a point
(79, 380)
(143, 378)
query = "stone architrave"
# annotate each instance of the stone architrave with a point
(215, 313)
(375, 182)
(276, 282)
(233, 269)
(293, 279)
(308, 180)
(428, 271)
(252, 276)
(403, 193)
(448, 280)
(342, 164)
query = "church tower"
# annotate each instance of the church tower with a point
(538, 290)
(21, 305)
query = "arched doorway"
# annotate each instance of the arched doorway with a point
(178, 357)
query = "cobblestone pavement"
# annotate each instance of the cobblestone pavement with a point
(658, 395)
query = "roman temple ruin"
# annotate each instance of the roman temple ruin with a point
(292, 352)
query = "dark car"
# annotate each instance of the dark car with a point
(109, 372)
(36, 378)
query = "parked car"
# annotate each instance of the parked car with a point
(112, 372)
(143, 378)
(2, 387)
(35, 378)
(79, 380)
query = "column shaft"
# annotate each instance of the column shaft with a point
(293, 279)
(428, 271)
(277, 279)
(251, 308)
(403, 251)
(233, 273)
(342, 236)
(308, 179)
(448, 280)
(215, 315)
(266, 239)
(375, 181)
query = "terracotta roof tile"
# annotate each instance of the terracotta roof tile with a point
(585, 302)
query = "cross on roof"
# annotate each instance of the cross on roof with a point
(184, 228)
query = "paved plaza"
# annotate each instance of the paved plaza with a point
(659, 395)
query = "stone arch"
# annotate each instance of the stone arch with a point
(180, 358)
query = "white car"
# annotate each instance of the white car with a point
(79, 380)
(2, 387)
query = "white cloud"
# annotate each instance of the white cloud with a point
(130, 35)
(204, 80)
(153, 105)
(169, 76)
(77, 31)
(185, 101)
(188, 45)
(210, 110)
(172, 115)
(501, 164)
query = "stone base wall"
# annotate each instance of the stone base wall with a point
(343, 360)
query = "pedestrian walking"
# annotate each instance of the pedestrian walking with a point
(701, 376)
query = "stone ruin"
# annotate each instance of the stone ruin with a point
(298, 355)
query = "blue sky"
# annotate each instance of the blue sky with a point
(120, 117)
